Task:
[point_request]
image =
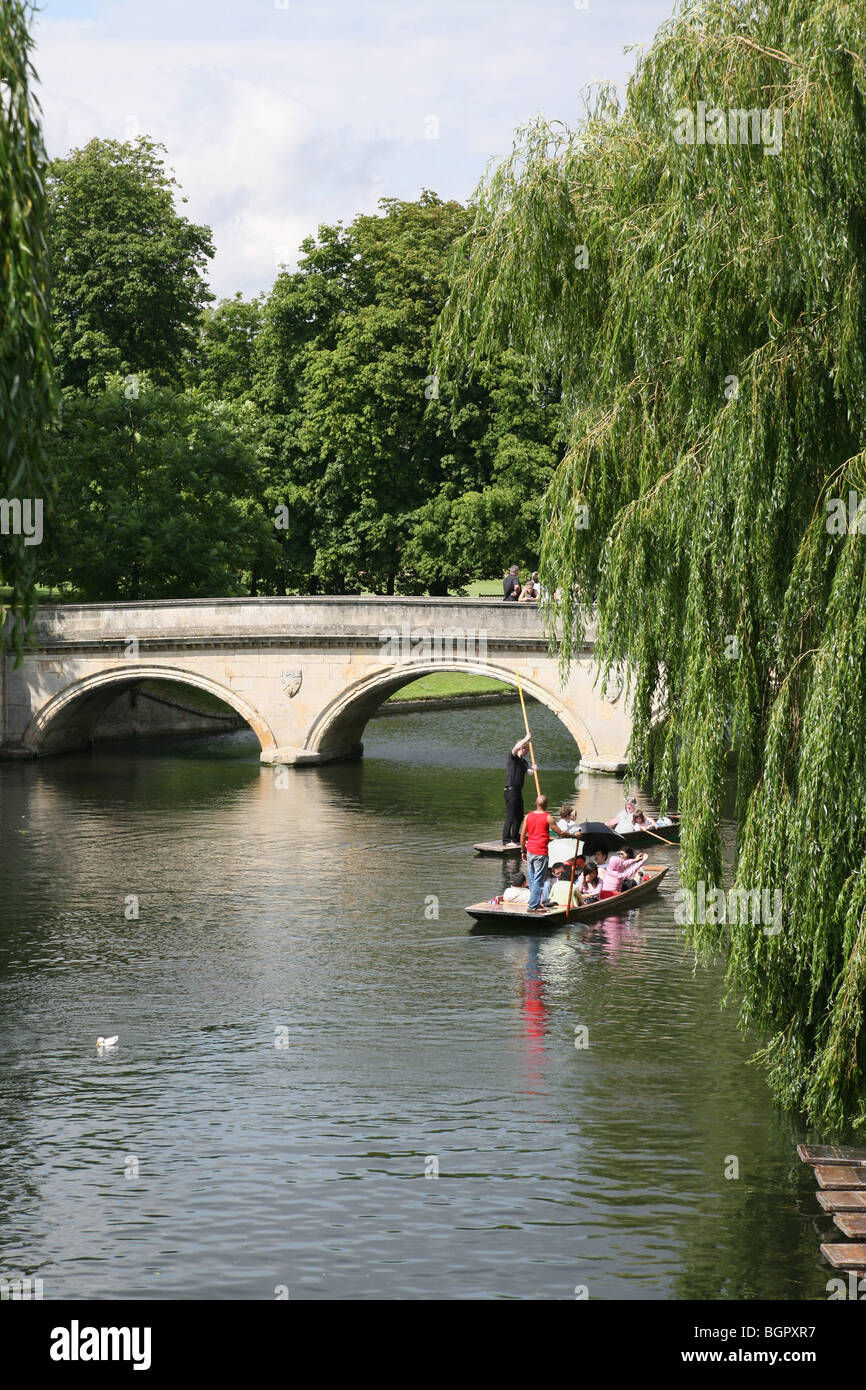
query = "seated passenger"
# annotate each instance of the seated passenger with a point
(642, 821)
(518, 892)
(624, 822)
(566, 821)
(561, 881)
(589, 883)
(618, 874)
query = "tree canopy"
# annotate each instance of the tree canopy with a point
(157, 495)
(701, 296)
(388, 484)
(127, 266)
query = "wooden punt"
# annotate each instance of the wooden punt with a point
(830, 1153)
(514, 915)
(643, 837)
(836, 1176)
(845, 1256)
(851, 1223)
(843, 1201)
(631, 837)
(494, 847)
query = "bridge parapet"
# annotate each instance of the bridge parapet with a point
(279, 619)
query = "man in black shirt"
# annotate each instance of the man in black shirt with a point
(516, 768)
(511, 585)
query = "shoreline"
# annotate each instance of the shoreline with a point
(391, 707)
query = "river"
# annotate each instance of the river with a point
(309, 1029)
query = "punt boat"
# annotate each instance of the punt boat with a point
(515, 915)
(671, 833)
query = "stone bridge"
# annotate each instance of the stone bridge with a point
(305, 673)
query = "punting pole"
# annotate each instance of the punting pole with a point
(526, 727)
(571, 884)
(645, 831)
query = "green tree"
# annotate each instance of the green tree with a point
(703, 301)
(127, 267)
(157, 496)
(387, 485)
(486, 511)
(223, 361)
(301, 317)
(27, 394)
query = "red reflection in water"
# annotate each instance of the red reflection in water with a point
(534, 1014)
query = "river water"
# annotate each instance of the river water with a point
(304, 1041)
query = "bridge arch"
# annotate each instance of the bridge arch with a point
(70, 716)
(340, 724)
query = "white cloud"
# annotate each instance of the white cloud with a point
(277, 120)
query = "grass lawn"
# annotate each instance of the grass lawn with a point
(446, 683)
(484, 588)
(189, 695)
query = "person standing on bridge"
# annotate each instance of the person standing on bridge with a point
(511, 585)
(516, 768)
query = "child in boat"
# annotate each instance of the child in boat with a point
(589, 883)
(641, 821)
(561, 881)
(566, 822)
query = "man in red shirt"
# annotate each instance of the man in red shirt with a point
(535, 835)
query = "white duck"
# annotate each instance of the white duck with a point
(105, 1044)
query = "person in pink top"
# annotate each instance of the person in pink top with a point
(616, 871)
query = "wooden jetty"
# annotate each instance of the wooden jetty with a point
(840, 1172)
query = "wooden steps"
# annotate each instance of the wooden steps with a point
(840, 1172)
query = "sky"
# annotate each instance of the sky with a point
(280, 115)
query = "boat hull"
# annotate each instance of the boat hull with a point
(514, 916)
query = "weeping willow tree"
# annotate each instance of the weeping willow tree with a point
(27, 398)
(690, 266)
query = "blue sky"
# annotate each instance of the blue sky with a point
(282, 114)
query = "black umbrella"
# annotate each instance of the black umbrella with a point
(596, 835)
